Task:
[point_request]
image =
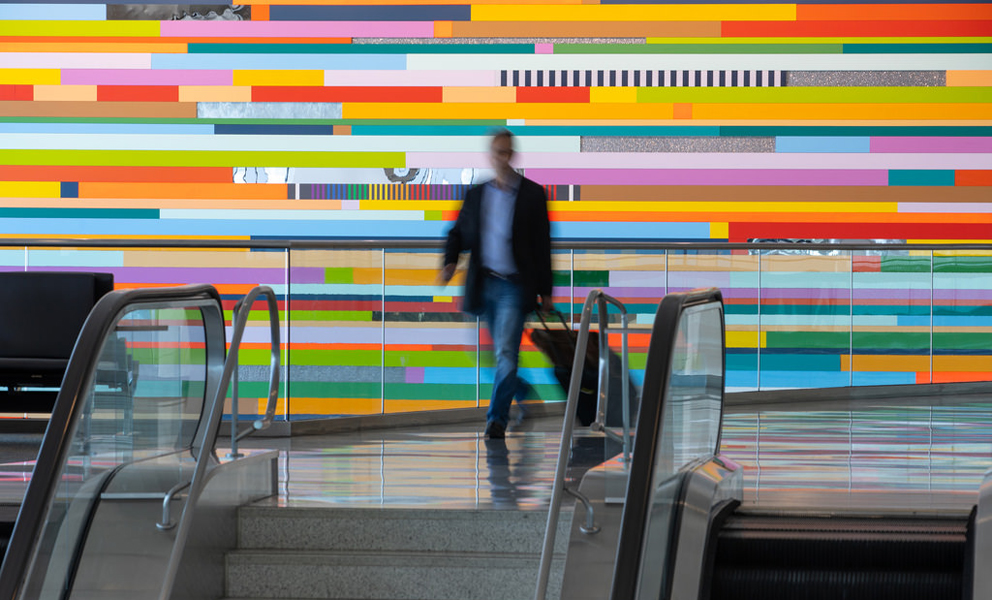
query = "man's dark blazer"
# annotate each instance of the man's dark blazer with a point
(531, 242)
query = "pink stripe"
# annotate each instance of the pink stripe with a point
(420, 29)
(411, 78)
(704, 160)
(708, 177)
(945, 207)
(931, 144)
(134, 77)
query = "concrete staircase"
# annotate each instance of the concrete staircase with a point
(391, 554)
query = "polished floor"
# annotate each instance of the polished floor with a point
(919, 459)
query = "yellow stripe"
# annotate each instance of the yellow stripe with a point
(278, 77)
(613, 94)
(719, 230)
(747, 339)
(377, 204)
(80, 29)
(716, 207)
(30, 76)
(607, 111)
(30, 189)
(637, 12)
(753, 122)
(969, 252)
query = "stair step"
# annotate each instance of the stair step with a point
(386, 575)
(397, 529)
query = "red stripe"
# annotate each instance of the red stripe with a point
(973, 178)
(345, 94)
(17, 92)
(856, 28)
(741, 232)
(552, 94)
(137, 93)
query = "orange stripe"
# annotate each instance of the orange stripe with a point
(260, 12)
(769, 217)
(892, 12)
(969, 78)
(227, 191)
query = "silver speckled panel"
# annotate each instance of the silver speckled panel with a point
(498, 41)
(178, 12)
(268, 110)
(865, 78)
(678, 144)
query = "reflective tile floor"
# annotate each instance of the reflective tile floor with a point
(884, 460)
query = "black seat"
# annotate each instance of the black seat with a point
(41, 314)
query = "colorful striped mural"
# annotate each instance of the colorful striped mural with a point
(368, 119)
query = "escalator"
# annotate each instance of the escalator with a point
(679, 531)
(115, 505)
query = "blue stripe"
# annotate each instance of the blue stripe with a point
(371, 13)
(822, 144)
(108, 128)
(279, 61)
(53, 12)
(883, 378)
(273, 129)
(631, 231)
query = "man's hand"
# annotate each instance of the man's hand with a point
(445, 275)
(547, 304)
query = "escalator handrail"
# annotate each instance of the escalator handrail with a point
(216, 410)
(657, 374)
(68, 405)
(982, 577)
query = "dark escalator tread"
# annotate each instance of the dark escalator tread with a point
(808, 584)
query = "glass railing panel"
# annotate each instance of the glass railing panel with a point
(233, 271)
(689, 432)
(735, 274)
(336, 333)
(962, 315)
(431, 346)
(636, 278)
(805, 319)
(890, 318)
(143, 401)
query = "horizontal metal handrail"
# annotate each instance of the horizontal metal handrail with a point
(438, 243)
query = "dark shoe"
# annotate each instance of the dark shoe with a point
(495, 431)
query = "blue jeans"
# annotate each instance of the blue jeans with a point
(504, 314)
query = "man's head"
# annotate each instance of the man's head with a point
(501, 152)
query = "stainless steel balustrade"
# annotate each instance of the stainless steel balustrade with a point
(600, 300)
(982, 562)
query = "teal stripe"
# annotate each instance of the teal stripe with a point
(698, 48)
(361, 49)
(921, 177)
(917, 48)
(79, 213)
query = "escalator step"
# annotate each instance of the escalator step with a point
(841, 551)
(810, 584)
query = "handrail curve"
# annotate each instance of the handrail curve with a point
(241, 321)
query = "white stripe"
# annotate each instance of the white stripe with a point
(278, 143)
(292, 215)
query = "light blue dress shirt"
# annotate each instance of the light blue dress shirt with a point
(497, 227)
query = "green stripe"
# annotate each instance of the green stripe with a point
(905, 264)
(336, 358)
(818, 95)
(429, 391)
(891, 340)
(962, 264)
(698, 48)
(79, 213)
(917, 48)
(202, 158)
(960, 341)
(436, 358)
(196, 48)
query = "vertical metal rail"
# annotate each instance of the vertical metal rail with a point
(216, 410)
(599, 299)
